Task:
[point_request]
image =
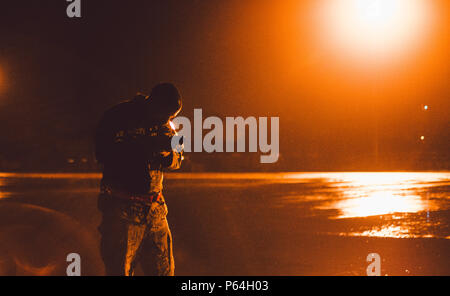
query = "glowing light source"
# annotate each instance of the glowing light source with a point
(172, 125)
(425, 107)
(422, 138)
(373, 28)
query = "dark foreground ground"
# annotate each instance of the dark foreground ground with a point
(237, 225)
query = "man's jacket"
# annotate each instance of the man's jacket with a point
(134, 147)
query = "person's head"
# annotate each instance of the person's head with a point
(165, 100)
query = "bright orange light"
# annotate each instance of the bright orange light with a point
(372, 194)
(380, 203)
(172, 125)
(370, 29)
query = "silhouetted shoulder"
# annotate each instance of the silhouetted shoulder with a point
(122, 108)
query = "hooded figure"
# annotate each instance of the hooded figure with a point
(133, 145)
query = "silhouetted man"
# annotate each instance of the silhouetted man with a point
(133, 143)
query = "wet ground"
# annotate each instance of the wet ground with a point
(243, 224)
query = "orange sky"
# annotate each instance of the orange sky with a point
(230, 58)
